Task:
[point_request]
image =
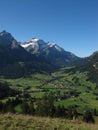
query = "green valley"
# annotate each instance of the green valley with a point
(68, 89)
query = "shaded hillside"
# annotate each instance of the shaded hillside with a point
(16, 61)
(6, 91)
(89, 65)
(11, 51)
(93, 67)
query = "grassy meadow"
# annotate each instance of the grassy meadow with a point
(25, 122)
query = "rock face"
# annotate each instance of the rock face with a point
(49, 51)
(10, 50)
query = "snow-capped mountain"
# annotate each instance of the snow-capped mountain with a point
(36, 45)
(49, 51)
(16, 62)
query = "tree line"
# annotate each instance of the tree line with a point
(45, 107)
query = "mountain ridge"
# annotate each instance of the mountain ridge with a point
(50, 51)
(40, 56)
(16, 61)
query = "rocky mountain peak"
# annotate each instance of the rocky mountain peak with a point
(50, 51)
(5, 34)
(6, 38)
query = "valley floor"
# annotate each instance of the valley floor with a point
(25, 122)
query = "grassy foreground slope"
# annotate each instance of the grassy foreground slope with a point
(25, 122)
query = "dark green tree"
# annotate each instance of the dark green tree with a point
(88, 117)
(25, 107)
(95, 112)
(31, 108)
(45, 106)
(1, 106)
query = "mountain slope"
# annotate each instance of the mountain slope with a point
(92, 66)
(49, 51)
(88, 65)
(16, 61)
(11, 49)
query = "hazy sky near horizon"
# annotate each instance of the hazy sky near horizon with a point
(72, 24)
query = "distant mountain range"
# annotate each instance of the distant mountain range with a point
(49, 51)
(36, 56)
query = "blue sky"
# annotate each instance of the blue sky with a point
(72, 24)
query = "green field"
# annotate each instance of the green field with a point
(69, 90)
(38, 84)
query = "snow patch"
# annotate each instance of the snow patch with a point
(58, 48)
(39, 45)
(50, 44)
